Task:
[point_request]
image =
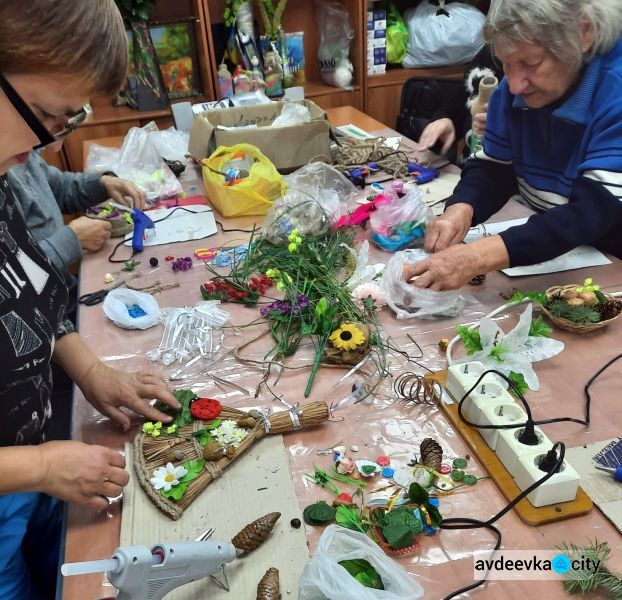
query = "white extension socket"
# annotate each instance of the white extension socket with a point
(461, 378)
(504, 411)
(562, 487)
(509, 450)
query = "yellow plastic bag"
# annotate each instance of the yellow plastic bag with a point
(251, 195)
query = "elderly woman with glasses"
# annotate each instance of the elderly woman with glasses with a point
(79, 50)
(554, 137)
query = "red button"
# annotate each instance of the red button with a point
(383, 461)
(444, 469)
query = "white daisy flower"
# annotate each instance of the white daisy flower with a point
(165, 478)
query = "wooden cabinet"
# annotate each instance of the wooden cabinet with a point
(377, 95)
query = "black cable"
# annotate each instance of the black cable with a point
(586, 389)
(194, 212)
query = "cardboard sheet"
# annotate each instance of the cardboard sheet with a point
(259, 483)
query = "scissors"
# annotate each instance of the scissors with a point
(94, 298)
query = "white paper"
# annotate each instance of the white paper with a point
(354, 132)
(182, 226)
(579, 258)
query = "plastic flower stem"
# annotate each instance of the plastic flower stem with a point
(316, 363)
(332, 474)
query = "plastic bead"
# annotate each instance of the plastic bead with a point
(388, 473)
(444, 470)
(470, 479)
(459, 463)
(153, 261)
(457, 475)
(383, 461)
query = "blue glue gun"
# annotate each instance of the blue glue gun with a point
(141, 222)
(422, 174)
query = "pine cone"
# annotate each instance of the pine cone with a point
(431, 454)
(609, 310)
(268, 588)
(255, 533)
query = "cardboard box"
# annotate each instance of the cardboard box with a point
(287, 147)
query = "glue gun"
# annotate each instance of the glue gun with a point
(141, 222)
(422, 174)
(141, 573)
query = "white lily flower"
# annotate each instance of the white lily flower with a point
(516, 349)
(165, 478)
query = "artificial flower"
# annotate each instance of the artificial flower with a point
(292, 247)
(152, 429)
(172, 429)
(514, 351)
(369, 290)
(229, 433)
(347, 337)
(165, 478)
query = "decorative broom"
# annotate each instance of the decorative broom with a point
(149, 453)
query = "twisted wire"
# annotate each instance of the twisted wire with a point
(411, 388)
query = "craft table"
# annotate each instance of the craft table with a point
(445, 562)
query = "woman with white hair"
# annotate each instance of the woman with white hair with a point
(554, 136)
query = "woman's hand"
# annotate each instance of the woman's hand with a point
(442, 130)
(450, 228)
(109, 389)
(78, 472)
(122, 189)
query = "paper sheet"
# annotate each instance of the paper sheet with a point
(181, 226)
(601, 487)
(228, 504)
(579, 258)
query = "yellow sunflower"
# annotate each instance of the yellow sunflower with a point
(347, 337)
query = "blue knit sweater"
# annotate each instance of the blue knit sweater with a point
(565, 162)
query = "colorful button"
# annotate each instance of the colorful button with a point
(459, 463)
(444, 469)
(457, 475)
(470, 479)
(388, 472)
(383, 461)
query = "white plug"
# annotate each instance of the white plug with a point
(506, 412)
(562, 487)
(509, 449)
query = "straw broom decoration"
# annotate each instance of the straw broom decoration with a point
(149, 453)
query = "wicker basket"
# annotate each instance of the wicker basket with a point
(569, 325)
(120, 226)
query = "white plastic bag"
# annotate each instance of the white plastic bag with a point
(139, 161)
(436, 40)
(409, 301)
(335, 36)
(116, 305)
(324, 579)
(292, 114)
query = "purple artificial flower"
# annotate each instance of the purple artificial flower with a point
(278, 306)
(182, 264)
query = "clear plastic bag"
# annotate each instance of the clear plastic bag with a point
(118, 302)
(324, 578)
(409, 301)
(336, 34)
(292, 114)
(401, 223)
(447, 34)
(139, 161)
(316, 196)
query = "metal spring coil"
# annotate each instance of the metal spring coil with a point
(411, 388)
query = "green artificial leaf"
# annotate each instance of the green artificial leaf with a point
(398, 536)
(363, 572)
(194, 468)
(435, 514)
(600, 296)
(539, 328)
(537, 297)
(470, 338)
(318, 513)
(130, 265)
(204, 436)
(399, 527)
(181, 417)
(349, 518)
(417, 494)
(519, 381)
(368, 469)
(321, 307)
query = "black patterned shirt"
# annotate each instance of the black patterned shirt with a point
(33, 300)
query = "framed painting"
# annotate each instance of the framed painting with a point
(176, 51)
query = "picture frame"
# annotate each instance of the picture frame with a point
(175, 46)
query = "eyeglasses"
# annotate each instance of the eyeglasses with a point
(46, 137)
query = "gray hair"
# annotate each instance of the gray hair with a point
(556, 25)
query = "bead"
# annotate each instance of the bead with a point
(459, 463)
(354, 448)
(388, 472)
(108, 277)
(383, 461)
(295, 523)
(339, 449)
(470, 479)
(443, 343)
(457, 475)
(169, 258)
(153, 261)
(444, 469)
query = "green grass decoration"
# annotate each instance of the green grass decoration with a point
(363, 572)
(576, 314)
(583, 582)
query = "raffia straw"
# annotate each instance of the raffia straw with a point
(313, 413)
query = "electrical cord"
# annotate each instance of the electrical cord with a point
(195, 212)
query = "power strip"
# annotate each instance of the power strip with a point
(491, 404)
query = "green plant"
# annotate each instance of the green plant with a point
(231, 11)
(575, 314)
(271, 16)
(136, 10)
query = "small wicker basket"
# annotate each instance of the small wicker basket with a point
(120, 226)
(558, 290)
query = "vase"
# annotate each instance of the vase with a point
(146, 89)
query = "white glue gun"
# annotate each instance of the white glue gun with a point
(141, 573)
